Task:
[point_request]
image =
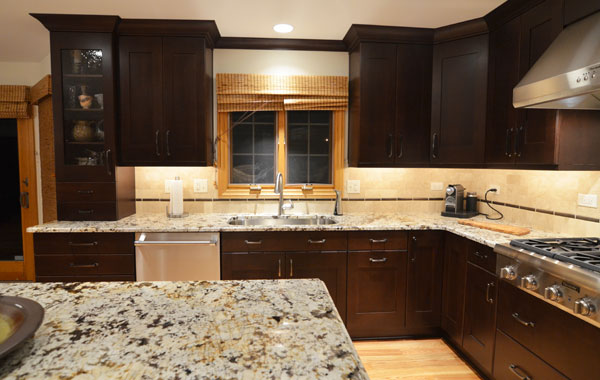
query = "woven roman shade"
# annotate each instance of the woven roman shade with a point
(14, 102)
(253, 92)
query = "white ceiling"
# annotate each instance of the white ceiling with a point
(22, 38)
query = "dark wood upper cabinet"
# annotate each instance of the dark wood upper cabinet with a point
(141, 97)
(166, 94)
(578, 9)
(480, 316)
(453, 295)
(90, 186)
(425, 275)
(458, 103)
(390, 94)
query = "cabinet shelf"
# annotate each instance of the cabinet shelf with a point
(84, 110)
(82, 75)
(84, 142)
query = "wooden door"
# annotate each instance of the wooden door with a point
(536, 133)
(424, 286)
(376, 106)
(329, 267)
(480, 316)
(185, 79)
(376, 293)
(458, 103)
(141, 83)
(453, 294)
(413, 104)
(252, 265)
(502, 120)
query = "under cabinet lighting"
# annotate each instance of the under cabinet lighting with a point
(283, 28)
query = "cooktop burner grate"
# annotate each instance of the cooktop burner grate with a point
(584, 252)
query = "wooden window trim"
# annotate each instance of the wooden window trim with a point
(237, 191)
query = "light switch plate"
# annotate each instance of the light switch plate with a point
(437, 186)
(168, 183)
(587, 200)
(200, 185)
(353, 186)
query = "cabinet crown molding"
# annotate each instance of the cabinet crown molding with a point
(395, 34)
(171, 28)
(77, 23)
(460, 30)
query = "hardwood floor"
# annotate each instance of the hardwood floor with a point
(423, 359)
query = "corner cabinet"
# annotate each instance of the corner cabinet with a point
(89, 184)
(458, 102)
(166, 87)
(390, 93)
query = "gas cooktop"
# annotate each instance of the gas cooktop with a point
(584, 252)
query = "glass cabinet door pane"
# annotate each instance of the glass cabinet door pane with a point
(83, 107)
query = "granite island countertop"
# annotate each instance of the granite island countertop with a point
(349, 222)
(279, 329)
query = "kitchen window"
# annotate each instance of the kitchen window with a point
(292, 125)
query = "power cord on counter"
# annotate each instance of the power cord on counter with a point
(487, 216)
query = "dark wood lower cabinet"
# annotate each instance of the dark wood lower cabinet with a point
(514, 361)
(424, 284)
(480, 316)
(84, 257)
(252, 265)
(453, 289)
(376, 293)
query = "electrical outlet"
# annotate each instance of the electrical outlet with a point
(353, 186)
(587, 200)
(200, 185)
(168, 183)
(437, 186)
(494, 187)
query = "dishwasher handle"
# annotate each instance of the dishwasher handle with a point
(143, 242)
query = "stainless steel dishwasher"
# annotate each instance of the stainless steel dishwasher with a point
(177, 256)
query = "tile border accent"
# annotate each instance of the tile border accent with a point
(544, 211)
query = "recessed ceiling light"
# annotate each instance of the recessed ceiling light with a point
(283, 28)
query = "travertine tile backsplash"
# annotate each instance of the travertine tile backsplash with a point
(544, 191)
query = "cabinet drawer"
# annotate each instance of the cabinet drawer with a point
(570, 344)
(73, 265)
(513, 361)
(86, 211)
(83, 243)
(121, 277)
(322, 241)
(259, 241)
(483, 256)
(85, 192)
(377, 240)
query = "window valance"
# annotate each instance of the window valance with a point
(14, 102)
(253, 92)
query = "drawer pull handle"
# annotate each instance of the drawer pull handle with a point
(382, 260)
(253, 242)
(92, 244)
(517, 372)
(482, 256)
(322, 241)
(85, 212)
(524, 323)
(291, 268)
(487, 292)
(279, 269)
(85, 192)
(94, 265)
(376, 241)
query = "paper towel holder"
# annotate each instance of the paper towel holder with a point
(173, 216)
(170, 213)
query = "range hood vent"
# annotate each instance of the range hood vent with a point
(567, 75)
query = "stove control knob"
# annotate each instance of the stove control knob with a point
(508, 273)
(553, 293)
(584, 306)
(529, 282)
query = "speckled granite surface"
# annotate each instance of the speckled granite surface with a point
(184, 330)
(350, 222)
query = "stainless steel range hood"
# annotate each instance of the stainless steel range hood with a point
(567, 75)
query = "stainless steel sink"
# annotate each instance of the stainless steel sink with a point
(284, 220)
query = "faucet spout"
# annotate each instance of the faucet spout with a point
(279, 190)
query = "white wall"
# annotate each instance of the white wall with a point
(24, 73)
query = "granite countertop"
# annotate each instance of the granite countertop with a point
(349, 222)
(184, 330)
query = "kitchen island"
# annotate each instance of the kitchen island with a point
(184, 330)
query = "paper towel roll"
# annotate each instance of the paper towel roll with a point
(176, 200)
